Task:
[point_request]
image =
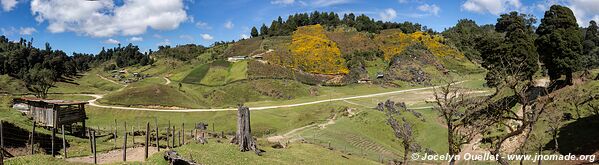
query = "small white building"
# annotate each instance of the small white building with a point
(237, 58)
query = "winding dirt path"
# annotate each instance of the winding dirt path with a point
(96, 97)
(168, 81)
(112, 81)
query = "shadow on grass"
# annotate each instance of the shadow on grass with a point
(580, 137)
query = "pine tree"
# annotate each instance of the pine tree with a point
(254, 32)
(559, 42)
(514, 56)
(263, 30)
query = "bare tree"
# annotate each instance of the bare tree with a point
(513, 89)
(554, 120)
(453, 103)
(401, 129)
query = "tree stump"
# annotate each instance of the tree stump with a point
(243, 137)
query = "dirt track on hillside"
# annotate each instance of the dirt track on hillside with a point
(96, 97)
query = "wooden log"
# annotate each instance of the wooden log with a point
(243, 137)
(125, 143)
(94, 147)
(147, 140)
(64, 143)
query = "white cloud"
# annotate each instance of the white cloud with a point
(203, 25)
(495, 7)
(8, 5)
(403, 1)
(432, 9)
(111, 41)
(8, 31)
(102, 18)
(585, 11)
(388, 14)
(244, 36)
(325, 3)
(229, 25)
(282, 2)
(206, 37)
(27, 30)
(136, 39)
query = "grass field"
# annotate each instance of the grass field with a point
(150, 94)
(217, 73)
(88, 83)
(196, 74)
(367, 134)
(223, 153)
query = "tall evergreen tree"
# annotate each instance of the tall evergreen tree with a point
(264, 30)
(559, 42)
(254, 32)
(513, 57)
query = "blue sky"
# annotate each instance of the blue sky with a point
(87, 26)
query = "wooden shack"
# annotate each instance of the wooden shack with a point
(53, 113)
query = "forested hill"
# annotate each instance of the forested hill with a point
(41, 68)
(331, 20)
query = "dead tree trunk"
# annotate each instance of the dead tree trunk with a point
(244, 138)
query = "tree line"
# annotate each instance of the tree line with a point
(511, 50)
(558, 43)
(361, 23)
(40, 69)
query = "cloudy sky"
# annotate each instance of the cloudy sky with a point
(87, 26)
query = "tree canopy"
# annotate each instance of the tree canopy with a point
(559, 42)
(513, 56)
(280, 27)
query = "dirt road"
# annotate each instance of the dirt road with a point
(115, 156)
(96, 97)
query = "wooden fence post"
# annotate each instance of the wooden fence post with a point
(133, 135)
(147, 139)
(114, 132)
(183, 131)
(2, 134)
(157, 135)
(53, 137)
(125, 144)
(168, 131)
(32, 138)
(179, 137)
(173, 136)
(91, 143)
(94, 147)
(64, 143)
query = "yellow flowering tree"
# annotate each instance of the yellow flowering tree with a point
(312, 51)
(393, 42)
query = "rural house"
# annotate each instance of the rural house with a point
(52, 113)
(237, 58)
